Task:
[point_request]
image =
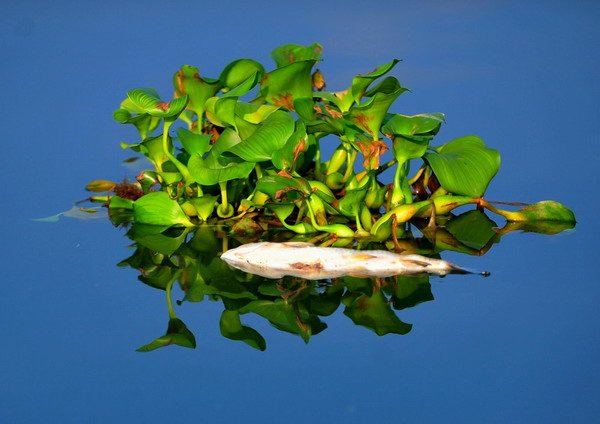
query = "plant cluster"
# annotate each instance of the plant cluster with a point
(253, 144)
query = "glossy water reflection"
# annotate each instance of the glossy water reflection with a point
(190, 257)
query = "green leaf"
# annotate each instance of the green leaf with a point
(546, 210)
(239, 71)
(286, 156)
(360, 83)
(210, 171)
(411, 134)
(290, 53)
(117, 202)
(269, 137)
(148, 100)
(232, 328)
(276, 186)
(158, 208)
(204, 206)
(464, 166)
(187, 82)
(177, 333)
(422, 124)
(284, 85)
(350, 204)
(370, 115)
(193, 143)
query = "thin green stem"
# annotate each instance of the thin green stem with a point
(168, 289)
(166, 148)
(258, 170)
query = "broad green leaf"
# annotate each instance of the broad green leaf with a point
(232, 328)
(117, 202)
(152, 148)
(305, 108)
(158, 208)
(144, 123)
(244, 87)
(360, 83)
(239, 71)
(187, 82)
(204, 206)
(290, 53)
(254, 113)
(177, 333)
(226, 141)
(411, 134)
(284, 85)
(276, 186)
(210, 171)
(286, 156)
(193, 143)
(148, 100)
(269, 137)
(422, 124)
(350, 204)
(546, 210)
(464, 166)
(370, 115)
(388, 85)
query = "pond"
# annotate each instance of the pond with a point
(519, 346)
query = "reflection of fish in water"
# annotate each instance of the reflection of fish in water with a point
(274, 260)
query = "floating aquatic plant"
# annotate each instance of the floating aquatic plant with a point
(251, 145)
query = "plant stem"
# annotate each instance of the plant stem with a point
(166, 148)
(223, 186)
(168, 289)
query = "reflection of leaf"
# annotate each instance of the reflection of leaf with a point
(375, 314)
(465, 165)
(155, 238)
(409, 291)
(177, 333)
(281, 315)
(473, 228)
(232, 328)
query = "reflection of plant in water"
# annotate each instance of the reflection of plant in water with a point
(252, 147)
(190, 257)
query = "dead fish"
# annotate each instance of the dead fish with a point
(275, 260)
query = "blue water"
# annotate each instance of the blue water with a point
(520, 346)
